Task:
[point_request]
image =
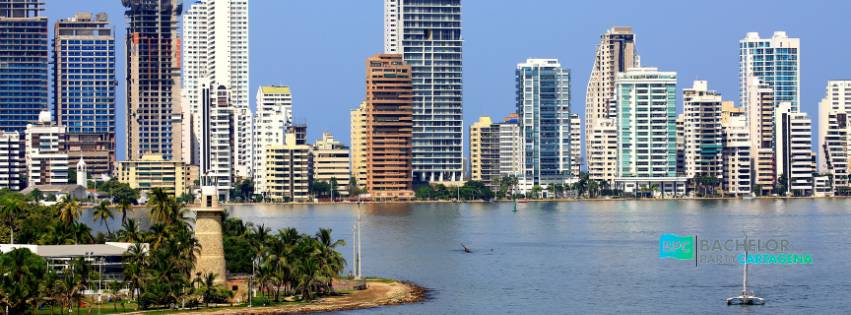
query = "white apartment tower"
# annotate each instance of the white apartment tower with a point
(647, 131)
(274, 115)
(217, 136)
(833, 135)
(428, 35)
(215, 34)
(702, 127)
(12, 163)
(793, 147)
(46, 156)
(543, 109)
(737, 174)
(616, 53)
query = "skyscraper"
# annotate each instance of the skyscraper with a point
(760, 109)
(703, 134)
(274, 116)
(357, 134)
(24, 70)
(543, 107)
(647, 131)
(217, 136)
(834, 142)
(215, 34)
(428, 34)
(154, 115)
(616, 53)
(737, 176)
(389, 127)
(84, 89)
(484, 151)
(793, 147)
(775, 62)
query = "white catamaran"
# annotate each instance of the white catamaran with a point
(747, 298)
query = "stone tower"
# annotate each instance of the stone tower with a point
(208, 232)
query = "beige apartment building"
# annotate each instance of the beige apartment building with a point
(329, 160)
(287, 171)
(152, 171)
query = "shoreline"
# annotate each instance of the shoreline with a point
(379, 293)
(347, 202)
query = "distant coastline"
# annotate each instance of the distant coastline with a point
(347, 202)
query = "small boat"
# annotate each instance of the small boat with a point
(747, 297)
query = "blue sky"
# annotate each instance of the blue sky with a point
(320, 50)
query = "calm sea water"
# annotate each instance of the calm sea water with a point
(588, 257)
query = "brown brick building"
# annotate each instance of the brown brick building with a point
(389, 127)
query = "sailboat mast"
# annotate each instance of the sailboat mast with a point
(745, 277)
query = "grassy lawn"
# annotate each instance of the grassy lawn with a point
(108, 308)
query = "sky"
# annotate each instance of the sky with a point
(320, 50)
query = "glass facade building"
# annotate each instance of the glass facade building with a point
(84, 88)
(647, 123)
(775, 62)
(543, 107)
(24, 59)
(428, 34)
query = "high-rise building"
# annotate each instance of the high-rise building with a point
(793, 150)
(775, 62)
(428, 34)
(23, 63)
(736, 162)
(274, 116)
(647, 131)
(543, 107)
(358, 138)
(12, 162)
(389, 127)
(494, 152)
(484, 151)
(329, 163)
(46, 156)
(703, 134)
(510, 154)
(759, 108)
(84, 89)
(287, 171)
(154, 113)
(681, 144)
(575, 144)
(217, 137)
(834, 142)
(615, 53)
(215, 34)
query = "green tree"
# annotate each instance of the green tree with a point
(21, 275)
(103, 213)
(124, 197)
(69, 210)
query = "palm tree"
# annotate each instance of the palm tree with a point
(130, 232)
(208, 287)
(161, 206)
(134, 265)
(125, 197)
(11, 209)
(69, 210)
(103, 214)
(331, 262)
